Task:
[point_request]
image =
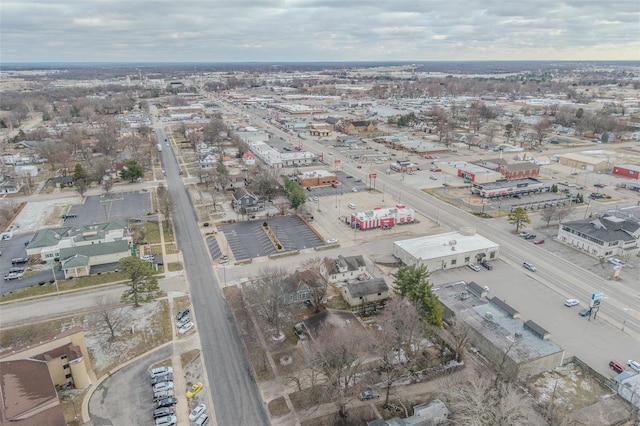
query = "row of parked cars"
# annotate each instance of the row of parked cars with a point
(183, 321)
(619, 367)
(164, 414)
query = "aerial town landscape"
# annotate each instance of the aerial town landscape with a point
(319, 213)
(318, 244)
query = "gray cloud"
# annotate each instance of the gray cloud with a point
(317, 30)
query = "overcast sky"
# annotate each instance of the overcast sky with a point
(317, 30)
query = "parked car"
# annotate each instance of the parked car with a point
(163, 412)
(182, 313)
(368, 394)
(197, 412)
(616, 262)
(167, 402)
(157, 396)
(149, 258)
(13, 276)
(19, 260)
(474, 267)
(162, 386)
(202, 420)
(183, 321)
(432, 177)
(69, 216)
(354, 189)
(161, 371)
(571, 302)
(599, 185)
(166, 421)
(530, 237)
(584, 312)
(634, 364)
(299, 331)
(486, 265)
(194, 389)
(332, 241)
(523, 234)
(529, 266)
(188, 326)
(163, 378)
(538, 242)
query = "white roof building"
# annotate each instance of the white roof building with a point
(445, 251)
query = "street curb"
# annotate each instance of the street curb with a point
(93, 387)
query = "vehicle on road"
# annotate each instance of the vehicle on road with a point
(197, 412)
(161, 371)
(166, 421)
(182, 313)
(571, 302)
(167, 402)
(354, 189)
(314, 198)
(616, 262)
(194, 389)
(523, 234)
(185, 328)
(432, 177)
(474, 267)
(163, 412)
(634, 364)
(584, 312)
(368, 394)
(332, 241)
(538, 242)
(529, 266)
(599, 185)
(616, 366)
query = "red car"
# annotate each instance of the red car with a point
(436, 170)
(538, 242)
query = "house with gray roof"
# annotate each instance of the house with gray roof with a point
(344, 269)
(361, 293)
(47, 244)
(602, 236)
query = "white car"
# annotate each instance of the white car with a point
(197, 412)
(162, 386)
(529, 266)
(354, 189)
(474, 266)
(188, 326)
(148, 258)
(161, 371)
(332, 241)
(183, 321)
(432, 177)
(616, 262)
(634, 364)
(571, 302)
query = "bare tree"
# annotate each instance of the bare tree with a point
(478, 402)
(107, 184)
(398, 340)
(565, 211)
(110, 312)
(80, 186)
(541, 128)
(548, 214)
(460, 333)
(490, 132)
(338, 354)
(315, 282)
(267, 294)
(165, 201)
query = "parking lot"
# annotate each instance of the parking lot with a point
(121, 205)
(247, 240)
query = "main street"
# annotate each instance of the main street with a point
(229, 378)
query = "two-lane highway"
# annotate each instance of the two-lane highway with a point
(230, 381)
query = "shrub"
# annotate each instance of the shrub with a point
(206, 224)
(42, 283)
(265, 224)
(52, 281)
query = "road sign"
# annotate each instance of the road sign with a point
(596, 298)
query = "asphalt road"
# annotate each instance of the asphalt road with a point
(233, 389)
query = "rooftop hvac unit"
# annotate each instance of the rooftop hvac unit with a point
(518, 335)
(488, 315)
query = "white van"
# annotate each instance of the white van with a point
(351, 206)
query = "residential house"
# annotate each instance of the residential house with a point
(355, 127)
(10, 186)
(11, 157)
(362, 293)
(344, 269)
(603, 236)
(245, 202)
(228, 161)
(249, 159)
(303, 286)
(208, 161)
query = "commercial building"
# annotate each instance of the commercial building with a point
(471, 172)
(316, 178)
(602, 236)
(445, 251)
(509, 188)
(582, 162)
(521, 348)
(384, 218)
(511, 171)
